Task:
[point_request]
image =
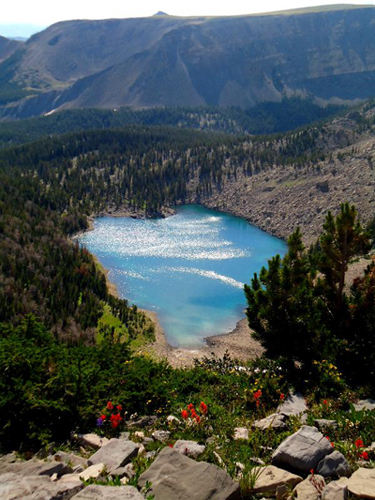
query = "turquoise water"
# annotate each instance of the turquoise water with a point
(189, 268)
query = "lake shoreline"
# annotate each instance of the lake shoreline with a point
(238, 342)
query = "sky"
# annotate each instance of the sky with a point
(42, 13)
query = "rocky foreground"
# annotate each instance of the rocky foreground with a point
(305, 466)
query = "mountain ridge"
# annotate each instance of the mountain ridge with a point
(325, 54)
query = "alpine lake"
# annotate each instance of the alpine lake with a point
(189, 268)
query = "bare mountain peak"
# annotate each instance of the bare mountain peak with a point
(160, 13)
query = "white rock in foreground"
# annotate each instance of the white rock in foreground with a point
(270, 478)
(189, 448)
(362, 483)
(96, 492)
(94, 472)
(336, 490)
(92, 440)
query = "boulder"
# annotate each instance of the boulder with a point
(334, 465)
(91, 440)
(161, 436)
(241, 433)
(336, 490)
(189, 448)
(92, 472)
(126, 471)
(365, 404)
(14, 487)
(323, 424)
(173, 476)
(35, 468)
(274, 421)
(310, 488)
(141, 422)
(116, 453)
(70, 459)
(303, 450)
(294, 404)
(270, 478)
(96, 492)
(362, 483)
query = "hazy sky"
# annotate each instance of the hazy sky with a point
(46, 12)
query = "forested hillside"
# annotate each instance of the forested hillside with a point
(264, 118)
(50, 187)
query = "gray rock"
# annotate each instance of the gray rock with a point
(306, 490)
(294, 404)
(96, 492)
(241, 433)
(14, 487)
(124, 435)
(9, 458)
(141, 422)
(91, 440)
(334, 465)
(323, 423)
(274, 421)
(362, 483)
(70, 459)
(365, 404)
(189, 448)
(270, 478)
(161, 436)
(35, 468)
(303, 450)
(336, 490)
(174, 476)
(116, 453)
(126, 471)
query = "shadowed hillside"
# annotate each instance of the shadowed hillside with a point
(326, 54)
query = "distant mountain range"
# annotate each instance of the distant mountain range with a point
(327, 54)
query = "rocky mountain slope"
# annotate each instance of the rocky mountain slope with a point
(326, 53)
(280, 198)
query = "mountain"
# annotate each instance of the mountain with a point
(327, 54)
(7, 47)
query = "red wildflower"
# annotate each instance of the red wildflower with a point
(103, 417)
(190, 406)
(170, 445)
(119, 407)
(257, 394)
(359, 443)
(203, 408)
(325, 402)
(282, 396)
(364, 455)
(193, 414)
(109, 405)
(197, 419)
(312, 472)
(184, 414)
